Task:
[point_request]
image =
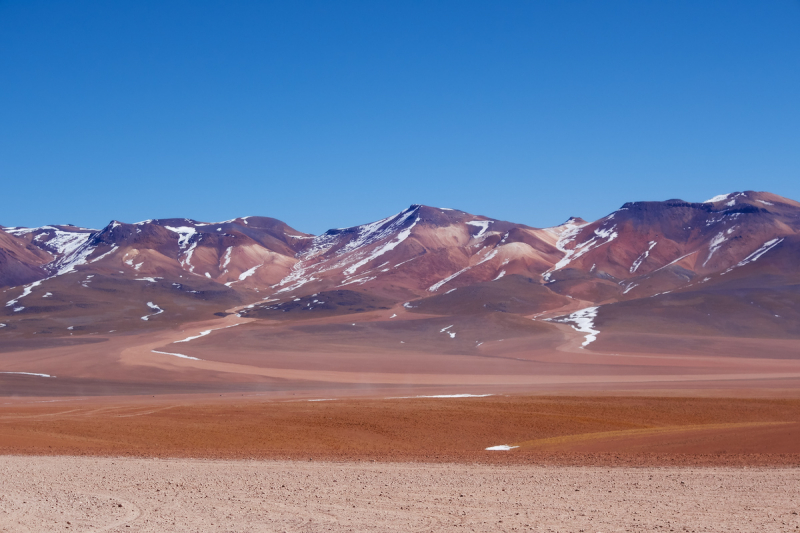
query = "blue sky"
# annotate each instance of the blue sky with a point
(330, 114)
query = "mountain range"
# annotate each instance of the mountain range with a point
(637, 279)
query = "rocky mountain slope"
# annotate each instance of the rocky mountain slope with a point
(645, 260)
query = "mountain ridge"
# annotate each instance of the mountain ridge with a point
(642, 250)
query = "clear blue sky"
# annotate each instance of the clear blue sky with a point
(335, 113)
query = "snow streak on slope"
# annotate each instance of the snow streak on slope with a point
(70, 248)
(60, 243)
(27, 289)
(715, 245)
(636, 264)
(155, 308)
(601, 236)
(185, 234)
(766, 247)
(353, 254)
(582, 321)
(438, 285)
(389, 246)
(717, 198)
(483, 224)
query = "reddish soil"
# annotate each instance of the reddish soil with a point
(548, 430)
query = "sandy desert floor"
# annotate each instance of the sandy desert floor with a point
(136, 495)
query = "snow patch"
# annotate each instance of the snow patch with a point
(29, 374)
(766, 247)
(185, 234)
(501, 447)
(636, 264)
(155, 308)
(718, 198)
(27, 289)
(482, 224)
(583, 322)
(389, 246)
(601, 236)
(226, 258)
(436, 286)
(113, 249)
(177, 355)
(715, 244)
(630, 287)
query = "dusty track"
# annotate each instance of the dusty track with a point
(133, 495)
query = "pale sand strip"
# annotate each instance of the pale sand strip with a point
(136, 495)
(143, 356)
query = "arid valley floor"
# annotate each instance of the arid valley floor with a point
(432, 371)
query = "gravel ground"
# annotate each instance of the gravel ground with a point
(154, 495)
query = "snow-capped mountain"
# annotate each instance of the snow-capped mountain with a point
(419, 257)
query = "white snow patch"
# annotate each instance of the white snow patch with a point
(501, 448)
(151, 280)
(226, 258)
(500, 275)
(766, 247)
(715, 244)
(355, 251)
(406, 261)
(111, 251)
(630, 287)
(436, 286)
(482, 224)
(636, 264)
(155, 308)
(249, 272)
(583, 322)
(674, 261)
(185, 234)
(208, 331)
(387, 247)
(202, 334)
(451, 333)
(765, 202)
(177, 355)
(27, 289)
(29, 374)
(718, 198)
(601, 236)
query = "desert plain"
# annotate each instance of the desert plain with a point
(432, 371)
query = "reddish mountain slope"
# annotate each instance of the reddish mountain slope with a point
(432, 261)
